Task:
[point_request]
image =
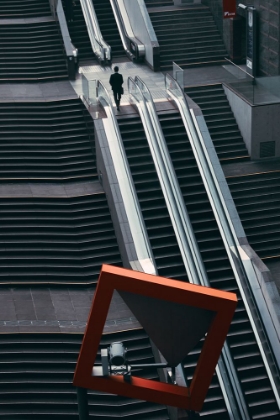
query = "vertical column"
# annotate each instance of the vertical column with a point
(82, 403)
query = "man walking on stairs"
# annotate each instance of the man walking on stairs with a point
(116, 81)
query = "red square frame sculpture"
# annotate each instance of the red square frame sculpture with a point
(114, 278)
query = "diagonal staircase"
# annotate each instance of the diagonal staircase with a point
(221, 123)
(188, 36)
(257, 199)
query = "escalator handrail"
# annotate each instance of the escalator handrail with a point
(230, 240)
(136, 96)
(58, 11)
(225, 369)
(127, 40)
(100, 48)
(129, 196)
(192, 250)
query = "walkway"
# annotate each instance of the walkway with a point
(154, 81)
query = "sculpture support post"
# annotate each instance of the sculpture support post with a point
(82, 403)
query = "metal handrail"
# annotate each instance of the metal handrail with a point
(240, 68)
(132, 207)
(120, 27)
(127, 40)
(224, 222)
(175, 205)
(188, 245)
(166, 175)
(100, 48)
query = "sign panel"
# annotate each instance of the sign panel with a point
(229, 9)
(251, 47)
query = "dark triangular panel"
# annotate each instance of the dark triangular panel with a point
(174, 328)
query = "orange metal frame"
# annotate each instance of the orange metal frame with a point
(114, 278)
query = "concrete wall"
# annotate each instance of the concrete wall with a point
(265, 128)
(268, 12)
(243, 115)
(143, 30)
(257, 124)
(216, 7)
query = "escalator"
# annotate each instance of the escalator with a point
(37, 373)
(108, 27)
(161, 235)
(158, 223)
(241, 340)
(79, 34)
(187, 36)
(221, 123)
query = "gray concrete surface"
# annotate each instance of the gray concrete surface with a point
(57, 309)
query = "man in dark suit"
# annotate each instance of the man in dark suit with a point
(116, 81)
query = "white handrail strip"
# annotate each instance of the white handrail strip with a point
(129, 196)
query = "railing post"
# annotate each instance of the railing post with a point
(82, 403)
(71, 67)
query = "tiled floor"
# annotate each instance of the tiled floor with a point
(71, 189)
(30, 92)
(154, 81)
(59, 309)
